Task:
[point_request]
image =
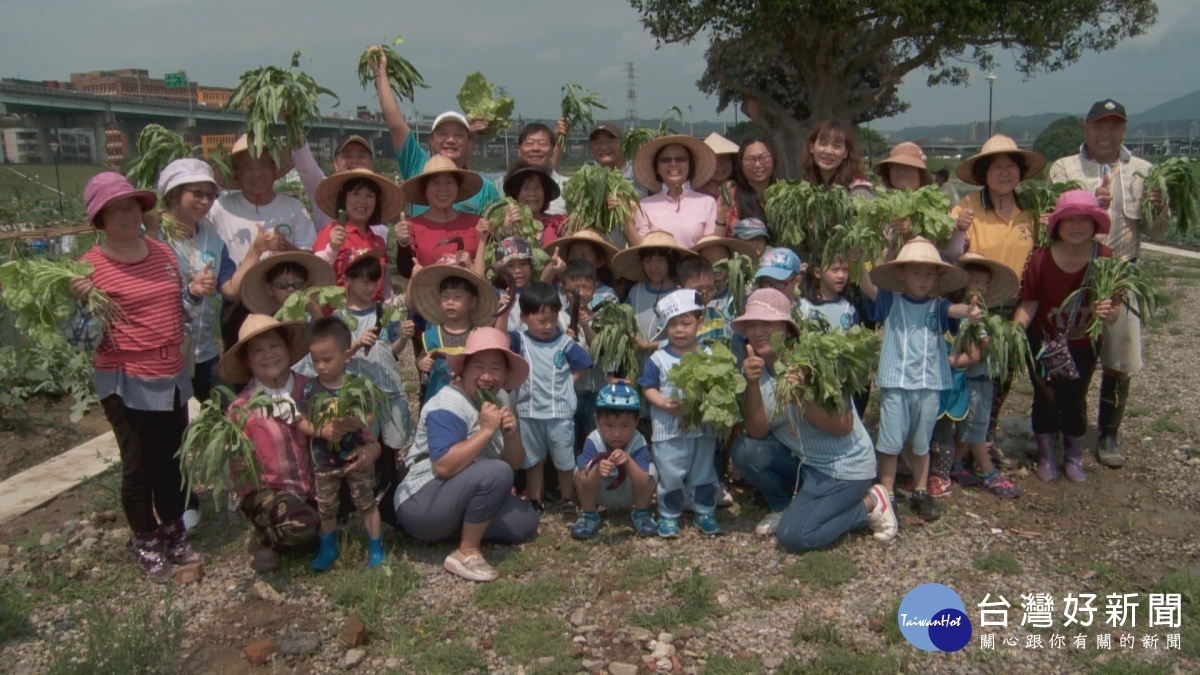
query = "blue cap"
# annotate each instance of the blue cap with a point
(780, 264)
(750, 228)
(618, 395)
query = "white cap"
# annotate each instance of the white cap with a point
(451, 116)
(183, 172)
(674, 304)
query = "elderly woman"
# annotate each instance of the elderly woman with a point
(461, 465)
(668, 167)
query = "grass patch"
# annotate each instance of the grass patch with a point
(822, 569)
(637, 572)
(14, 606)
(504, 593)
(1138, 410)
(107, 493)
(448, 657)
(519, 562)
(1166, 425)
(823, 633)
(891, 623)
(372, 594)
(140, 637)
(529, 638)
(998, 561)
(780, 592)
(1128, 667)
(693, 599)
(728, 665)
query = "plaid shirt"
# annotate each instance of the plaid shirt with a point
(280, 448)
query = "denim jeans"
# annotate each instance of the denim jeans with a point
(769, 466)
(823, 510)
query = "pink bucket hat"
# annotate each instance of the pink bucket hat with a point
(486, 339)
(1080, 203)
(766, 304)
(109, 186)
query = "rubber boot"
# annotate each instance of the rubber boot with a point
(1047, 470)
(179, 551)
(375, 553)
(327, 554)
(1073, 458)
(151, 558)
(1114, 392)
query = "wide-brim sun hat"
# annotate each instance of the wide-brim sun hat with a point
(721, 145)
(904, 154)
(283, 163)
(1004, 285)
(1001, 145)
(491, 339)
(424, 297)
(469, 182)
(1080, 203)
(107, 187)
(766, 304)
(232, 369)
(391, 199)
(563, 245)
(259, 300)
(704, 161)
(733, 245)
(628, 263)
(185, 171)
(918, 250)
(515, 179)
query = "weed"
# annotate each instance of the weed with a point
(1138, 410)
(693, 600)
(826, 634)
(636, 573)
(372, 594)
(1166, 425)
(822, 569)
(508, 593)
(838, 660)
(14, 606)
(526, 639)
(1128, 667)
(998, 561)
(448, 657)
(728, 665)
(519, 562)
(142, 637)
(780, 592)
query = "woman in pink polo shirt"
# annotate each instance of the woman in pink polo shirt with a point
(668, 167)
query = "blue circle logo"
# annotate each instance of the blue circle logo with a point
(847, 321)
(933, 618)
(932, 323)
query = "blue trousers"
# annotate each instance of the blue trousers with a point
(770, 467)
(823, 510)
(686, 464)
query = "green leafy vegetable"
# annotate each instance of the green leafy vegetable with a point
(739, 271)
(358, 398)
(614, 350)
(1176, 181)
(486, 395)
(1121, 281)
(529, 229)
(270, 94)
(709, 388)
(824, 367)
(800, 214)
(38, 290)
(295, 308)
(215, 450)
(479, 98)
(586, 195)
(401, 74)
(860, 238)
(1039, 200)
(157, 147)
(577, 104)
(636, 137)
(1002, 344)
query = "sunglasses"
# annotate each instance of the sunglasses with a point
(288, 285)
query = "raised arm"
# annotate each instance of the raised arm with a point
(392, 115)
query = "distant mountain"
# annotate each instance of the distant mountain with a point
(1185, 107)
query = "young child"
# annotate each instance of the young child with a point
(367, 198)
(696, 274)
(272, 280)
(914, 366)
(684, 459)
(1060, 404)
(754, 232)
(514, 254)
(454, 301)
(589, 246)
(823, 296)
(652, 264)
(546, 400)
(614, 447)
(716, 249)
(579, 284)
(780, 269)
(341, 449)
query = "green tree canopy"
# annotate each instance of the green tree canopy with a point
(1063, 137)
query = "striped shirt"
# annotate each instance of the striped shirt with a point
(850, 457)
(914, 355)
(594, 444)
(549, 391)
(840, 312)
(783, 422)
(654, 376)
(281, 450)
(643, 299)
(193, 253)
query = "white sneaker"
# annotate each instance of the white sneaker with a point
(191, 520)
(882, 517)
(769, 524)
(470, 567)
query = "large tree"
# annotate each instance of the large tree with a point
(790, 62)
(1063, 137)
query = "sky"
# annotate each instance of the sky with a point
(531, 47)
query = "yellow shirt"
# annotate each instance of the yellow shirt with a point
(1007, 241)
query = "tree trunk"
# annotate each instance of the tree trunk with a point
(787, 134)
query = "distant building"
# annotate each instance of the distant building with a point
(22, 145)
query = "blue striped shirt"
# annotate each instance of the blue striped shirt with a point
(549, 391)
(637, 450)
(850, 457)
(840, 312)
(783, 422)
(654, 376)
(914, 355)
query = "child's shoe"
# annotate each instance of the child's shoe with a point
(963, 476)
(644, 523)
(707, 524)
(924, 506)
(1000, 486)
(586, 525)
(327, 554)
(668, 528)
(375, 553)
(538, 507)
(768, 524)
(905, 487)
(940, 487)
(882, 517)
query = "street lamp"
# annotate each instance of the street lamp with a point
(54, 151)
(991, 78)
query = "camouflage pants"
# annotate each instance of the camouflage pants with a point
(329, 483)
(281, 519)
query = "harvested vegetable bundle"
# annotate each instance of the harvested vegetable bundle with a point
(636, 137)
(799, 212)
(577, 104)
(530, 228)
(1121, 281)
(710, 388)
(269, 94)
(295, 308)
(157, 147)
(357, 398)
(739, 272)
(39, 292)
(614, 348)
(1039, 200)
(1176, 180)
(215, 450)
(928, 209)
(824, 367)
(859, 238)
(401, 74)
(479, 98)
(586, 195)
(1002, 343)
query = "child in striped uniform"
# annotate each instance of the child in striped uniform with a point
(546, 400)
(914, 365)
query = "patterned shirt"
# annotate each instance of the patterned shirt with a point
(914, 355)
(549, 391)
(282, 451)
(235, 219)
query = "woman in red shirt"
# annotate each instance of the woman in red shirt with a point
(427, 237)
(367, 198)
(534, 188)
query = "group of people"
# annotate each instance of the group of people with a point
(507, 382)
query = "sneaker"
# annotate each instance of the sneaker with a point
(905, 488)
(586, 525)
(999, 458)
(963, 476)
(924, 506)
(882, 516)
(940, 487)
(470, 567)
(707, 524)
(1001, 487)
(644, 523)
(724, 496)
(768, 524)
(538, 507)
(668, 528)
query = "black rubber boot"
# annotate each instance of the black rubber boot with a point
(1114, 392)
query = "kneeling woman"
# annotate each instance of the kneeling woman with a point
(462, 462)
(836, 473)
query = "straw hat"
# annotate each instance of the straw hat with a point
(1080, 203)
(283, 163)
(390, 197)
(919, 250)
(721, 145)
(766, 304)
(232, 369)
(1004, 285)
(734, 245)
(259, 300)
(628, 264)
(423, 294)
(704, 161)
(904, 154)
(469, 182)
(1001, 145)
(487, 339)
(586, 236)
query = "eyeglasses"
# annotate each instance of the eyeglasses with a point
(202, 195)
(761, 160)
(288, 285)
(681, 159)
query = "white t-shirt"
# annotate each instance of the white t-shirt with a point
(235, 217)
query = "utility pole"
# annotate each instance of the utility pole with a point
(631, 114)
(991, 78)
